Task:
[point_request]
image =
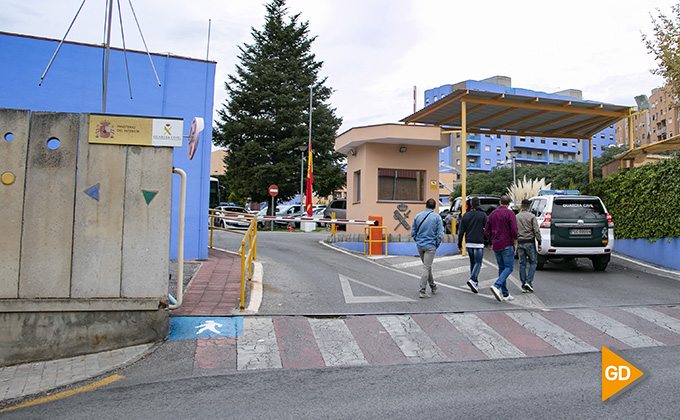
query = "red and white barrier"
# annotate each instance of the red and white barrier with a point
(311, 219)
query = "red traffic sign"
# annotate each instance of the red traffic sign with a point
(273, 190)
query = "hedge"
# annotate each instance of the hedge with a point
(644, 202)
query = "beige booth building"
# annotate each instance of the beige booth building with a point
(392, 169)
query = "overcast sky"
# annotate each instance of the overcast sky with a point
(376, 51)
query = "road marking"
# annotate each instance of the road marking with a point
(416, 345)
(65, 394)
(552, 334)
(350, 298)
(656, 317)
(634, 261)
(257, 347)
(609, 326)
(336, 343)
(494, 345)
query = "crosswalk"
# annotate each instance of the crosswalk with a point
(446, 267)
(307, 342)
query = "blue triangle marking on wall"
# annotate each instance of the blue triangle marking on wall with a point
(149, 195)
(93, 192)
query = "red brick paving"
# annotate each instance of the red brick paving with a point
(216, 289)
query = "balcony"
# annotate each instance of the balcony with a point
(532, 158)
(475, 138)
(474, 165)
(474, 152)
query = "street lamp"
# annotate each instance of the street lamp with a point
(514, 154)
(302, 149)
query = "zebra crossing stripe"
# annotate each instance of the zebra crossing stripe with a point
(616, 329)
(416, 345)
(336, 343)
(257, 347)
(656, 317)
(494, 345)
(557, 337)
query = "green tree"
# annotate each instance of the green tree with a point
(266, 117)
(664, 44)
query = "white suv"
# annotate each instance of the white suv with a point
(573, 226)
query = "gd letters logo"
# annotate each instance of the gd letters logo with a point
(617, 374)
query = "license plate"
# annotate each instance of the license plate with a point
(580, 232)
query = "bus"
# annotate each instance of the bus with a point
(217, 192)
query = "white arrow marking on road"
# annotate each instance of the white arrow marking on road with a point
(350, 298)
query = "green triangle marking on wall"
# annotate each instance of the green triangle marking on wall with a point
(149, 195)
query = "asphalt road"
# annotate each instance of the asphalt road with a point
(304, 276)
(564, 387)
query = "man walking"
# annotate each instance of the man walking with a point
(528, 235)
(427, 231)
(472, 229)
(501, 229)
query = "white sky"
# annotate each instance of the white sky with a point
(376, 51)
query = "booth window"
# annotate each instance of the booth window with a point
(401, 185)
(357, 186)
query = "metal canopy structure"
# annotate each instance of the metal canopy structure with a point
(639, 154)
(485, 112)
(518, 115)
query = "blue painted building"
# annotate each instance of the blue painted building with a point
(487, 151)
(74, 84)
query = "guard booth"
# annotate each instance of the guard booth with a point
(392, 170)
(85, 222)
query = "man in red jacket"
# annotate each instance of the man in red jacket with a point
(501, 229)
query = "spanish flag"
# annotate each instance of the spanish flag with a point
(310, 179)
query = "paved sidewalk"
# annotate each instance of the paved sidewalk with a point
(215, 290)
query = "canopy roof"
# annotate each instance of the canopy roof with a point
(512, 114)
(639, 153)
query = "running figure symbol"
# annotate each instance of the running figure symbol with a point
(209, 325)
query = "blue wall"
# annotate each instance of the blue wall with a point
(661, 252)
(74, 84)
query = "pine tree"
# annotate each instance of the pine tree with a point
(266, 117)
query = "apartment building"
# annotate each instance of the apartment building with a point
(487, 151)
(655, 120)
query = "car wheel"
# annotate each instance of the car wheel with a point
(599, 263)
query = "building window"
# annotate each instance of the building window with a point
(602, 135)
(564, 143)
(487, 148)
(487, 162)
(458, 148)
(532, 139)
(554, 142)
(400, 185)
(521, 139)
(498, 162)
(457, 162)
(573, 144)
(542, 141)
(498, 150)
(357, 186)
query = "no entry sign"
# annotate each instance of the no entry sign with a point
(273, 190)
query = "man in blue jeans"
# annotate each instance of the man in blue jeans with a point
(501, 229)
(427, 231)
(528, 235)
(472, 229)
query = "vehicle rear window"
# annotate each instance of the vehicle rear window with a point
(578, 209)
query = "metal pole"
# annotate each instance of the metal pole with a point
(302, 172)
(463, 169)
(514, 177)
(106, 61)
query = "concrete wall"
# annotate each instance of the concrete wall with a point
(74, 85)
(84, 261)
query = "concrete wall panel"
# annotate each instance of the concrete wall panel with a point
(14, 126)
(98, 222)
(45, 268)
(146, 224)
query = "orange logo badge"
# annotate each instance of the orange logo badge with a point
(617, 374)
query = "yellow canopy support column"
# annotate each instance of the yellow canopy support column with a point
(463, 160)
(590, 147)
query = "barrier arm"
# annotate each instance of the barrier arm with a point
(180, 238)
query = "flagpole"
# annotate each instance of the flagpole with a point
(308, 196)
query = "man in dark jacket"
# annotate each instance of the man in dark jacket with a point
(472, 229)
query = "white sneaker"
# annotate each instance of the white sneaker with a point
(472, 286)
(508, 298)
(497, 293)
